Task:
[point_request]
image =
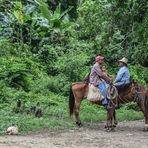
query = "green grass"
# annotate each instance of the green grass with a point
(57, 117)
(28, 122)
(91, 112)
(128, 115)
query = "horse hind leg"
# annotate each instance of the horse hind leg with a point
(76, 113)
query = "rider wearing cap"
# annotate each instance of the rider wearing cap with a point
(97, 77)
(96, 72)
(123, 75)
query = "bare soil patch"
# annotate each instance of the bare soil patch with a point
(92, 135)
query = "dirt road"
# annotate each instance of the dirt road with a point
(93, 135)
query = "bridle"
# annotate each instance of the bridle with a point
(137, 94)
(135, 90)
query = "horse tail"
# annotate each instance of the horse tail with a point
(71, 101)
(146, 105)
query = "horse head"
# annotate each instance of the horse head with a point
(138, 91)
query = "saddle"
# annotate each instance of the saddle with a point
(124, 86)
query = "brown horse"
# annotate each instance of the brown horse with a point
(134, 92)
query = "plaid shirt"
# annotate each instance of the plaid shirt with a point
(96, 75)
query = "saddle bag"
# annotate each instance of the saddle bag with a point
(94, 94)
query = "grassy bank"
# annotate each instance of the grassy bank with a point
(57, 117)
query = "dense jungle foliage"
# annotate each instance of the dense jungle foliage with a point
(45, 45)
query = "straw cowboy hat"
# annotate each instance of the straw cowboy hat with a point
(124, 60)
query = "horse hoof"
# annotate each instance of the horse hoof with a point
(110, 129)
(107, 130)
(114, 125)
(145, 129)
(79, 124)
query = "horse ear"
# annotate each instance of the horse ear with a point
(133, 81)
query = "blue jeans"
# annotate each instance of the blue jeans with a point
(103, 89)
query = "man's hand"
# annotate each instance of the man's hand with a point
(111, 80)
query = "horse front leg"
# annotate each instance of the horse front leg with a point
(107, 126)
(146, 118)
(146, 111)
(77, 111)
(110, 113)
(146, 124)
(143, 109)
(115, 120)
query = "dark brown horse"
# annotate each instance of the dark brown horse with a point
(134, 92)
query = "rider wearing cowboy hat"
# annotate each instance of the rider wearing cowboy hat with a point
(123, 75)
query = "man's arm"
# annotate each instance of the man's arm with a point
(101, 74)
(119, 75)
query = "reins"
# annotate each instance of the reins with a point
(112, 93)
(123, 100)
(137, 96)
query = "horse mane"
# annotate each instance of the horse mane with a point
(138, 86)
(86, 79)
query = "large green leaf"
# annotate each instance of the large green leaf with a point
(18, 12)
(44, 9)
(19, 16)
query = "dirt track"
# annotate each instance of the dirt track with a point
(127, 135)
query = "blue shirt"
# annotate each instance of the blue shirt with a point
(123, 75)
